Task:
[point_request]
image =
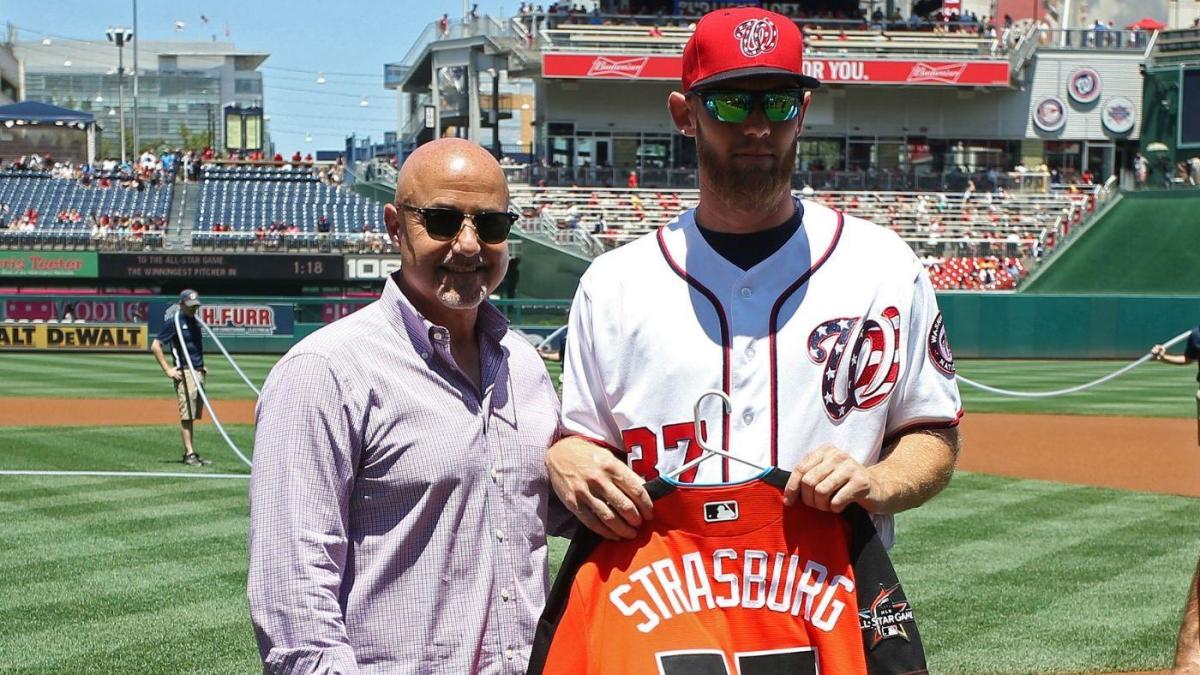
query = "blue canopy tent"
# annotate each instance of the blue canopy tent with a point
(36, 114)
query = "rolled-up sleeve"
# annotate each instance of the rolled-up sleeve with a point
(306, 447)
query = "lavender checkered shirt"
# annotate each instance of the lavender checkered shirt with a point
(397, 517)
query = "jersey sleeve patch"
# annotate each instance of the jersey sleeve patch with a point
(939, 347)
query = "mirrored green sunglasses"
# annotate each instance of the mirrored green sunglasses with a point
(734, 106)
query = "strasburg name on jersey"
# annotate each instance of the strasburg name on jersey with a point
(750, 579)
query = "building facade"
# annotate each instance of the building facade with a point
(183, 88)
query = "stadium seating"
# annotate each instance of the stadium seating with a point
(970, 238)
(238, 205)
(23, 191)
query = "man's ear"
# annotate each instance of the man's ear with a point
(803, 111)
(681, 113)
(394, 222)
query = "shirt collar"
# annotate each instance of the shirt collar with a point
(401, 313)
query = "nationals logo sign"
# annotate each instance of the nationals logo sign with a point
(939, 347)
(1084, 86)
(626, 67)
(1050, 114)
(861, 367)
(756, 37)
(1118, 115)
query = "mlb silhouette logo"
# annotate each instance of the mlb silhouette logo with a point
(719, 512)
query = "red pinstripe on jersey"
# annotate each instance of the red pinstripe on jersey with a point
(726, 341)
(787, 293)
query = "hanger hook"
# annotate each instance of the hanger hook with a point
(728, 408)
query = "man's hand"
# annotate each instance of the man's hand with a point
(175, 374)
(1157, 352)
(603, 493)
(828, 479)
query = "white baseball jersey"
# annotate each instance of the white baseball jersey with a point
(835, 338)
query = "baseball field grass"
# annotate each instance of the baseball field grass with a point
(146, 574)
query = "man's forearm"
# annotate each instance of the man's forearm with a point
(1187, 650)
(156, 349)
(918, 466)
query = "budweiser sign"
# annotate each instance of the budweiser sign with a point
(668, 68)
(609, 66)
(948, 73)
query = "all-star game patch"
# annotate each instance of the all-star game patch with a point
(888, 616)
(939, 347)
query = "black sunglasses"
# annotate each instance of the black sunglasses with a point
(733, 106)
(444, 224)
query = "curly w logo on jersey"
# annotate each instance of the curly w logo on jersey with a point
(867, 377)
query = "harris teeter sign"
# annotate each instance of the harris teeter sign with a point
(72, 264)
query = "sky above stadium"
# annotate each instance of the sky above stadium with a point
(347, 41)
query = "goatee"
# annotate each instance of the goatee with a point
(746, 189)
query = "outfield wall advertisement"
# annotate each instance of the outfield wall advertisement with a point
(234, 319)
(58, 264)
(68, 337)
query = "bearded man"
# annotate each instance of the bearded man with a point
(821, 328)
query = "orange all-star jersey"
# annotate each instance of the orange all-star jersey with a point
(726, 580)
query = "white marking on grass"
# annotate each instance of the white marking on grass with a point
(123, 474)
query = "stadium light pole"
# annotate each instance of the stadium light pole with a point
(136, 133)
(119, 36)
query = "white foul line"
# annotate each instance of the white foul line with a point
(124, 474)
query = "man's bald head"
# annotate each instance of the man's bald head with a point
(449, 162)
(455, 274)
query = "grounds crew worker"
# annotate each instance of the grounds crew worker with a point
(187, 386)
(1191, 353)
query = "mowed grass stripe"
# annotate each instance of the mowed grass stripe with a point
(80, 515)
(116, 524)
(1150, 390)
(124, 448)
(141, 641)
(57, 504)
(132, 589)
(1034, 583)
(72, 375)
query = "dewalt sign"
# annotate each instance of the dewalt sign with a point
(73, 337)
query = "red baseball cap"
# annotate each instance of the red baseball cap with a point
(743, 42)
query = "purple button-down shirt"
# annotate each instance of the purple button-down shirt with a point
(398, 515)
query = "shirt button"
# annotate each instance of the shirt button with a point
(510, 654)
(747, 417)
(746, 292)
(496, 475)
(504, 594)
(500, 534)
(425, 355)
(750, 352)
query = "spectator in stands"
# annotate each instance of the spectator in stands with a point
(444, 25)
(601, 225)
(632, 182)
(1141, 169)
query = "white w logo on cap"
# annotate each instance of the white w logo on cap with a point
(756, 37)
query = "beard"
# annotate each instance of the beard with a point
(745, 189)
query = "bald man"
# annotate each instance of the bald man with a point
(399, 500)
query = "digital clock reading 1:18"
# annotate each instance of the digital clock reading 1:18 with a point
(306, 268)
